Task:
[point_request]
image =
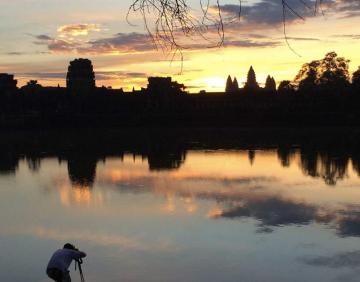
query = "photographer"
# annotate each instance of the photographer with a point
(60, 261)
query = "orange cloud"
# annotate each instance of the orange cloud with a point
(78, 29)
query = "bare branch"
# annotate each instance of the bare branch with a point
(172, 23)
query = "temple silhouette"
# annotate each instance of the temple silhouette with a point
(322, 94)
(80, 77)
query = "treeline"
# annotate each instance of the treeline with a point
(329, 75)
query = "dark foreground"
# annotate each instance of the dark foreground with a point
(56, 108)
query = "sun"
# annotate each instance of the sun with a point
(214, 83)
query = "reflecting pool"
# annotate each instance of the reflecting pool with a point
(169, 207)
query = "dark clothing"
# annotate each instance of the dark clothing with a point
(57, 275)
(59, 263)
(62, 259)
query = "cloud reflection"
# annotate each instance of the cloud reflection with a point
(339, 260)
(273, 211)
(97, 238)
(245, 178)
(79, 195)
(238, 198)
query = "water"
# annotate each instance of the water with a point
(181, 209)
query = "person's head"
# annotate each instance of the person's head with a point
(69, 246)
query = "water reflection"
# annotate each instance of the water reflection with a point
(163, 202)
(8, 162)
(327, 165)
(328, 160)
(271, 201)
(340, 260)
(165, 156)
(82, 168)
(279, 212)
(79, 195)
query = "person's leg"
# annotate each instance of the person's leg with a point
(55, 274)
(66, 277)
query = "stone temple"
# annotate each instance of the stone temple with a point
(80, 76)
(7, 83)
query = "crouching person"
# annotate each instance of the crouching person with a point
(58, 266)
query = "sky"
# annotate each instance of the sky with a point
(39, 38)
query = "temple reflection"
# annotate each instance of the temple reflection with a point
(165, 156)
(34, 163)
(8, 162)
(285, 155)
(273, 182)
(251, 156)
(82, 169)
(167, 151)
(355, 160)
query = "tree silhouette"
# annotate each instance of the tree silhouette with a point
(356, 79)
(286, 86)
(334, 71)
(168, 21)
(306, 79)
(31, 87)
(330, 73)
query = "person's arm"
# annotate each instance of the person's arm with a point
(76, 254)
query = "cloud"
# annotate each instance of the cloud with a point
(341, 8)
(349, 222)
(121, 42)
(78, 29)
(302, 38)
(39, 75)
(350, 36)
(268, 13)
(250, 43)
(111, 75)
(56, 45)
(346, 8)
(16, 53)
(100, 76)
(265, 14)
(62, 46)
(43, 37)
(132, 42)
(100, 238)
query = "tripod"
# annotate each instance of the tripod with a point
(79, 262)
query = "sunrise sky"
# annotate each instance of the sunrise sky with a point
(39, 38)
